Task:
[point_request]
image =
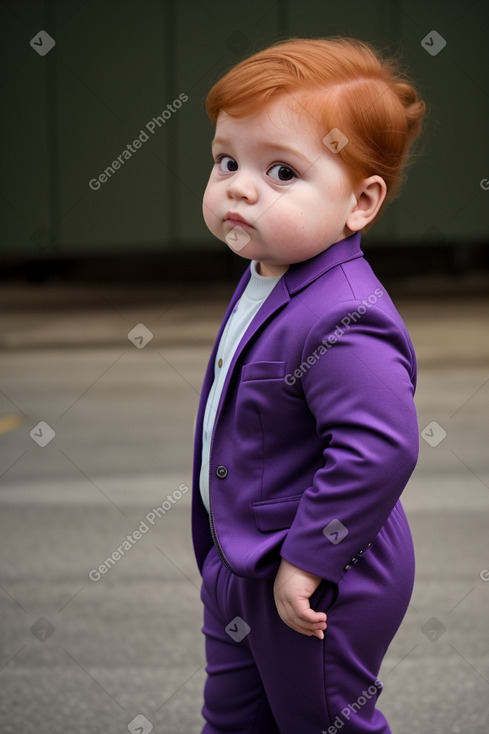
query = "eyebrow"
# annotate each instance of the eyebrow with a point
(274, 146)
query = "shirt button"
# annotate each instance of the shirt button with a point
(221, 472)
(219, 362)
(347, 567)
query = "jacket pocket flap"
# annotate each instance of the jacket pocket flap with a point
(263, 371)
(276, 514)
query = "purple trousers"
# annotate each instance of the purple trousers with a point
(265, 678)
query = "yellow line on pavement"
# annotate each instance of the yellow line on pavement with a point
(10, 422)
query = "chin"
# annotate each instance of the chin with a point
(241, 253)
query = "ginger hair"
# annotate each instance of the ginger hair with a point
(341, 83)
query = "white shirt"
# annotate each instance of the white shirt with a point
(255, 293)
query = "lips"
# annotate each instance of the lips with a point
(234, 219)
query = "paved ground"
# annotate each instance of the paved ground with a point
(83, 655)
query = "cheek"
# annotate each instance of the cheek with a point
(289, 218)
(301, 229)
(209, 206)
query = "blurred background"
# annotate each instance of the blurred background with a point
(116, 66)
(111, 293)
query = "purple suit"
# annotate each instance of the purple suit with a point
(315, 439)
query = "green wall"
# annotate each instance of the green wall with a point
(116, 65)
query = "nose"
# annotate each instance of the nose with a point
(242, 187)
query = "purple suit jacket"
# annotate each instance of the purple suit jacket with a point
(316, 433)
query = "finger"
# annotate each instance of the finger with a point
(308, 632)
(306, 621)
(302, 606)
(299, 625)
(313, 617)
(296, 622)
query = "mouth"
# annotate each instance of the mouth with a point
(234, 220)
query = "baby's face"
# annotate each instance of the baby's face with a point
(276, 193)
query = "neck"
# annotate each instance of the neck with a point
(270, 271)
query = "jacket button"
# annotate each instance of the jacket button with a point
(221, 472)
(347, 567)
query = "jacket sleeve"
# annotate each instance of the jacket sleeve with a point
(360, 390)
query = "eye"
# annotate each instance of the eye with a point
(227, 164)
(280, 172)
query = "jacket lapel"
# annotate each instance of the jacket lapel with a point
(296, 278)
(300, 275)
(275, 301)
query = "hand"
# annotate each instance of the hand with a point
(292, 589)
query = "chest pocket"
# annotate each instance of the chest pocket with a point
(263, 371)
(259, 400)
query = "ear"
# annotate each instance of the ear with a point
(369, 196)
